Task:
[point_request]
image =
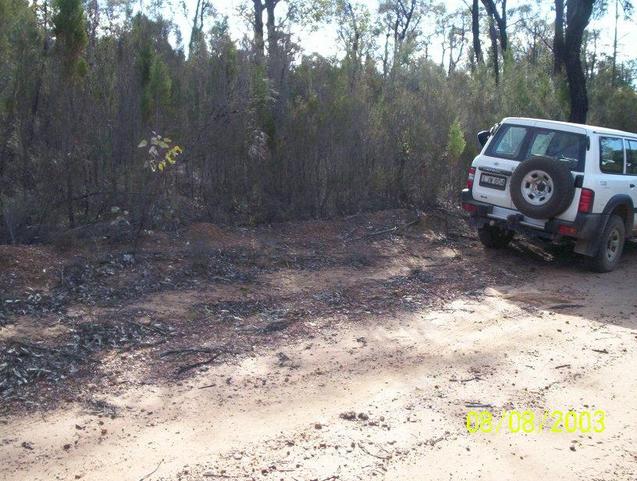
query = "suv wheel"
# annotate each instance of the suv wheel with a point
(494, 237)
(611, 245)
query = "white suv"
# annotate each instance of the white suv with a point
(556, 181)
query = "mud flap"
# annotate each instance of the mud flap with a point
(587, 247)
(590, 246)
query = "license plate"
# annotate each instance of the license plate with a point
(493, 181)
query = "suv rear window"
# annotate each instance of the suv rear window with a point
(518, 142)
(510, 143)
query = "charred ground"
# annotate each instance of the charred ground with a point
(77, 323)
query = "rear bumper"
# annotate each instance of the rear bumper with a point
(585, 228)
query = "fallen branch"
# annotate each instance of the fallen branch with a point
(378, 456)
(397, 228)
(433, 442)
(379, 232)
(349, 234)
(185, 351)
(152, 472)
(477, 405)
(456, 235)
(565, 306)
(212, 359)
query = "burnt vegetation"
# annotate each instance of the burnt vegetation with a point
(114, 122)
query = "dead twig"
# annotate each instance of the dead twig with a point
(349, 234)
(152, 472)
(210, 360)
(185, 351)
(562, 366)
(434, 441)
(565, 306)
(379, 232)
(378, 456)
(477, 405)
(396, 229)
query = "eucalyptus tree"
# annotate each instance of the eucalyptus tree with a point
(355, 34)
(401, 20)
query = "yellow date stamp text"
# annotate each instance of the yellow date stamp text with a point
(528, 421)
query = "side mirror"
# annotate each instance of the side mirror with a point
(483, 136)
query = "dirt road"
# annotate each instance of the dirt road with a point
(384, 397)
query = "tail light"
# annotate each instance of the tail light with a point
(567, 230)
(586, 199)
(470, 177)
(469, 207)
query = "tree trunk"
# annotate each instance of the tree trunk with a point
(270, 5)
(475, 30)
(194, 34)
(577, 88)
(502, 26)
(500, 20)
(494, 51)
(355, 46)
(558, 38)
(593, 61)
(452, 44)
(614, 61)
(259, 43)
(386, 56)
(578, 14)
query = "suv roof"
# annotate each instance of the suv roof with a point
(569, 125)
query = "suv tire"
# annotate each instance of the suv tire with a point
(493, 237)
(542, 188)
(611, 245)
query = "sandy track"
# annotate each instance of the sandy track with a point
(408, 379)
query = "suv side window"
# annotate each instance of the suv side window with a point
(631, 157)
(611, 157)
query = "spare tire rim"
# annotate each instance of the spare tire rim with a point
(537, 187)
(612, 245)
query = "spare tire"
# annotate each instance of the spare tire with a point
(542, 187)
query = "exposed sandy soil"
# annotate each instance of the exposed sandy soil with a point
(383, 345)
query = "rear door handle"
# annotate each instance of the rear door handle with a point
(632, 186)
